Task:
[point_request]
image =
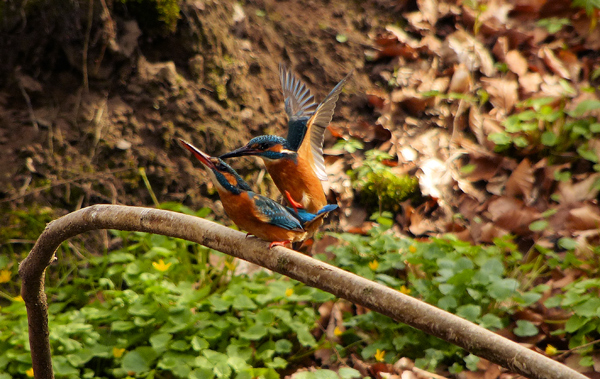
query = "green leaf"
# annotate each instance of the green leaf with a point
(122, 326)
(503, 288)
(283, 346)
(567, 243)
(326, 374)
(585, 153)
(180, 345)
(471, 362)
(585, 105)
(254, 332)
(139, 360)
(160, 341)
(549, 138)
(490, 321)
(199, 343)
(525, 329)
(470, 312)
(202, 373)
(589, 308)
(538, 226)
(243, 302)
(349, 373)
(500, 138)
(278, 363)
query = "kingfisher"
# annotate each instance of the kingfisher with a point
(258, 215)
(296, 162)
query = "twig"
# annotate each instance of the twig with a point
(86, 45)
(29, 106)
(142, 172)
(312, 272)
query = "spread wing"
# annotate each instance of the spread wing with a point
(316, 129)
(297, 98)
(274, 213)
(299, 106)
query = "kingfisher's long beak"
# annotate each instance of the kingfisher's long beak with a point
(244, 150)
(202, 157)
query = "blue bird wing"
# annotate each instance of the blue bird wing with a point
(316, 129)
(299, 106)
(274, 213)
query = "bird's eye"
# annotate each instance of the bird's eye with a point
(263, 146)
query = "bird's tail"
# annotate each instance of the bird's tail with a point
(307, 219)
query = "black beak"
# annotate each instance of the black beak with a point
(244, 150)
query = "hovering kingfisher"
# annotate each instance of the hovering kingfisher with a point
(256, 214)
(296, 163)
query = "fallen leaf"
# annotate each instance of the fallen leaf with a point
(512, 215)
(556, 65)
(530, 82)
(584, 218)
(521, 181)
(585, 189)
(503, 93)
(516, 62)
(471, 52)
(429, 10)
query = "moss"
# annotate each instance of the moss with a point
(386, 190)
(155, 14)
(379, 186)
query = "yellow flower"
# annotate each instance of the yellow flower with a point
(289, 292)
(379, 355)
(161, 265)
(18, 299)
(373, 265)
(118, 352)
(29, 372)
(405, 290)
(551, 350)
(412, 248)
(230, 265)
(5, 276)
(337, 331)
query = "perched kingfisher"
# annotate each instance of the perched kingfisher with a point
(296, 163)
(256, 214)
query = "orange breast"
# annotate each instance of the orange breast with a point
(242, 211)
(300, 181)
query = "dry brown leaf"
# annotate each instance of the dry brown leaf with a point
(403, 37)
(530, 82)
(412, 100)
(500, 48)
(512, 215)
(461, 80)
(521, 181)
(556, 65)
(503, 93)
(516, 62)
(485, 168)
(584, 218)
(571, 61)
(429, 9)
(570, 192)
(471, 52)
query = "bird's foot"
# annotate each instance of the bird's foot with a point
(278, 243)
(296, 205)
(249, 235)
